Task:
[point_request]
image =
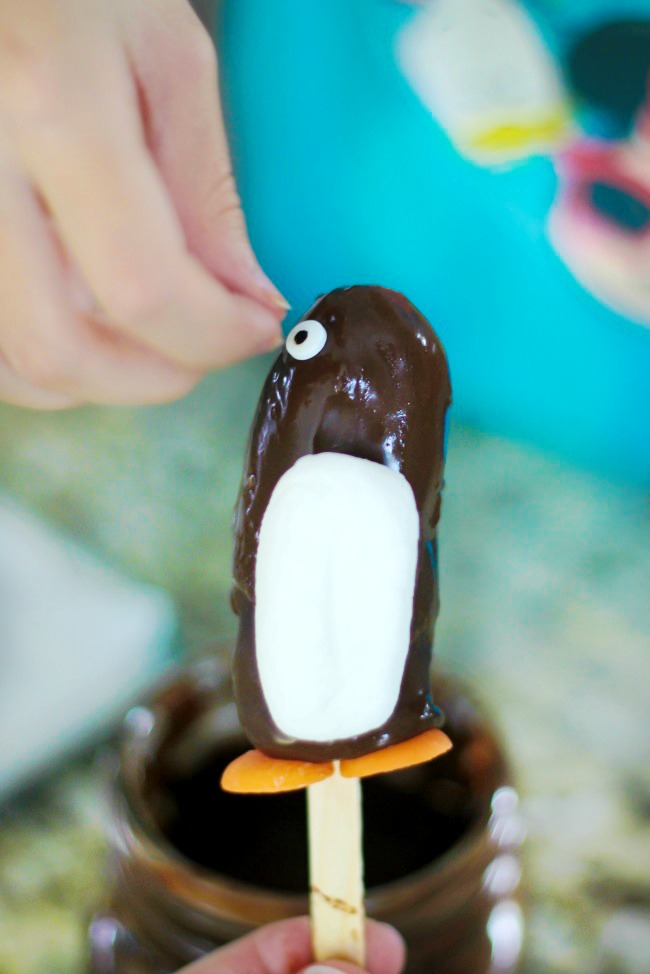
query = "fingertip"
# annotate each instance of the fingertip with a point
(386, 951)
(264, 331)
(286, 943)
(250, 283)
(386, 948)
(238, 325)
(271, 343)
(266, 291)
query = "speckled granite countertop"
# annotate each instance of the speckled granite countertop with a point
(545, 608)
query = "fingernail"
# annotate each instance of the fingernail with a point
(269, 289)
(269, 343)
(279, 340)
(320, 969)
(277, 299)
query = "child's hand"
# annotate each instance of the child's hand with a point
(125, 267)
(285, 948)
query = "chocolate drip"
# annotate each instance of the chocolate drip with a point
(378, 390)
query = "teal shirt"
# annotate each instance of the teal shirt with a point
(346, 177)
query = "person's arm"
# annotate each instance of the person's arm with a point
(125, 267)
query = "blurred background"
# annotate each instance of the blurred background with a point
(489, 158)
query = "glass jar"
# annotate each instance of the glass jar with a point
(192, 867)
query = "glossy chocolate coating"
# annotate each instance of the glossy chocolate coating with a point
(379, 390)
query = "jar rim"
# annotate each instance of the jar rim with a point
(194, 881)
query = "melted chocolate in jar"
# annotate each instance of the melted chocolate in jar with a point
(410, 819)
(436, 818)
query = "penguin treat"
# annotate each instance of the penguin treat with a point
(335, 568)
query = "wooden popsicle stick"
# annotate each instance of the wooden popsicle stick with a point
(336, 869)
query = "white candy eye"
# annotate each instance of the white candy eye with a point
(306, 339)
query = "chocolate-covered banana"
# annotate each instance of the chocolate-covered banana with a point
(335, 571)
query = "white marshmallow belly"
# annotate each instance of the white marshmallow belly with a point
(334, 584)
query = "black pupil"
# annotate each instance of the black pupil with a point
(619, 207)
(301, 336)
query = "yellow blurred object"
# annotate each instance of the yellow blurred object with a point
(522, 136)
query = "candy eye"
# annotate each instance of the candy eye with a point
(306, 339)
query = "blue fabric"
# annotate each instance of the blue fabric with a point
(346, 178)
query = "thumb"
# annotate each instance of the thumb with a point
(174, 61)
(385, 949)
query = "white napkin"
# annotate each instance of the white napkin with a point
(78, 643)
